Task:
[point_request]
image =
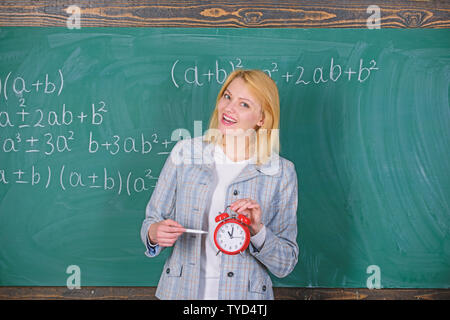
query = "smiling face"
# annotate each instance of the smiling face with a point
(247, 113)
(238, 109)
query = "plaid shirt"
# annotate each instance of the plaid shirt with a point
(183, 193)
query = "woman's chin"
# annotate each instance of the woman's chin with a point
(231, 131)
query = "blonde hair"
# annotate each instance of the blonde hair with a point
(266, 91)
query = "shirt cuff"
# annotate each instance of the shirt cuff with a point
(258, 239)
(152, 249)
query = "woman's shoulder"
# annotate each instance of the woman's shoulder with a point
(189, 149)
(287, 164)
(278, 167)
(287, 174)
(289, 170)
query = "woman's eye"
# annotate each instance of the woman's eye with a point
(245, 105)
(226, 96)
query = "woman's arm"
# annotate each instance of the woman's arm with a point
(160, 209)
(280, 250)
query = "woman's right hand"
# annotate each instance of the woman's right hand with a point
(165, 233)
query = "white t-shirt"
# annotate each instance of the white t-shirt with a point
(227, 171)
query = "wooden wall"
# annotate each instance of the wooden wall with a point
(233, 14)
(148, 293)
(226, 13)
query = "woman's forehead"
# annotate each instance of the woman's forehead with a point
(238, 87)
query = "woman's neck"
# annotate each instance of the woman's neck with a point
(238, 148)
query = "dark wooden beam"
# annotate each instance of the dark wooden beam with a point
(253, 14)
(148, 293)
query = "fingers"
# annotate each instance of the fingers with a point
(241, 205)
(173, 226)
(167, 232)
(251, 209)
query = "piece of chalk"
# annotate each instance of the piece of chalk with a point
(196, 231)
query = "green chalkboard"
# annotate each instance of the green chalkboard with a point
(87, 116)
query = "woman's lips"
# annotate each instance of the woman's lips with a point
(227, 120)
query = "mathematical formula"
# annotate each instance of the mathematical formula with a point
(47, 131)
(47, 84)
(185, 73)
(39, 118)
(67, 178)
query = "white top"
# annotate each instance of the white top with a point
(227, 171)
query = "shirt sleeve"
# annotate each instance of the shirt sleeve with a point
(162, 202)
(280, 250)
(152, 249)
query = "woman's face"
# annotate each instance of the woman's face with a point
(238, 108)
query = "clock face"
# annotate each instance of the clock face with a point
(231, 237)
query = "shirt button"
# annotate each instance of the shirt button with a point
(230, 274)
(264, 288)
(168, 270)
(235, 192)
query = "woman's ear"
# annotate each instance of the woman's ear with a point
(261, 121)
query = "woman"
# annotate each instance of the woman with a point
(235, 164)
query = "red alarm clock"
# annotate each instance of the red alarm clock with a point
(232, 235)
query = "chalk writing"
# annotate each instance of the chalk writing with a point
(21, 86)
(67, 177)
(192, 74)
(50, 130)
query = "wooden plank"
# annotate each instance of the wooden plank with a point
(148, 293)
(255, 14)
(360, 294)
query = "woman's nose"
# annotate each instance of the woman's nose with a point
(232, 105)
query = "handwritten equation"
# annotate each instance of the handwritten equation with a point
(66, 128)
(48, 84)
(192, 74)
(50, 143)
(68, 178)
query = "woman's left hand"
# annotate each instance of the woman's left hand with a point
(251, 209)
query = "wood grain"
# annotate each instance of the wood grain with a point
(148, 293)
(237, 14)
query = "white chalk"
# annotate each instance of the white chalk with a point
(196, 231)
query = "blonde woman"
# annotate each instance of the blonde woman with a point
(235, 164)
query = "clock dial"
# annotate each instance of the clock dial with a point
(231, 236)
